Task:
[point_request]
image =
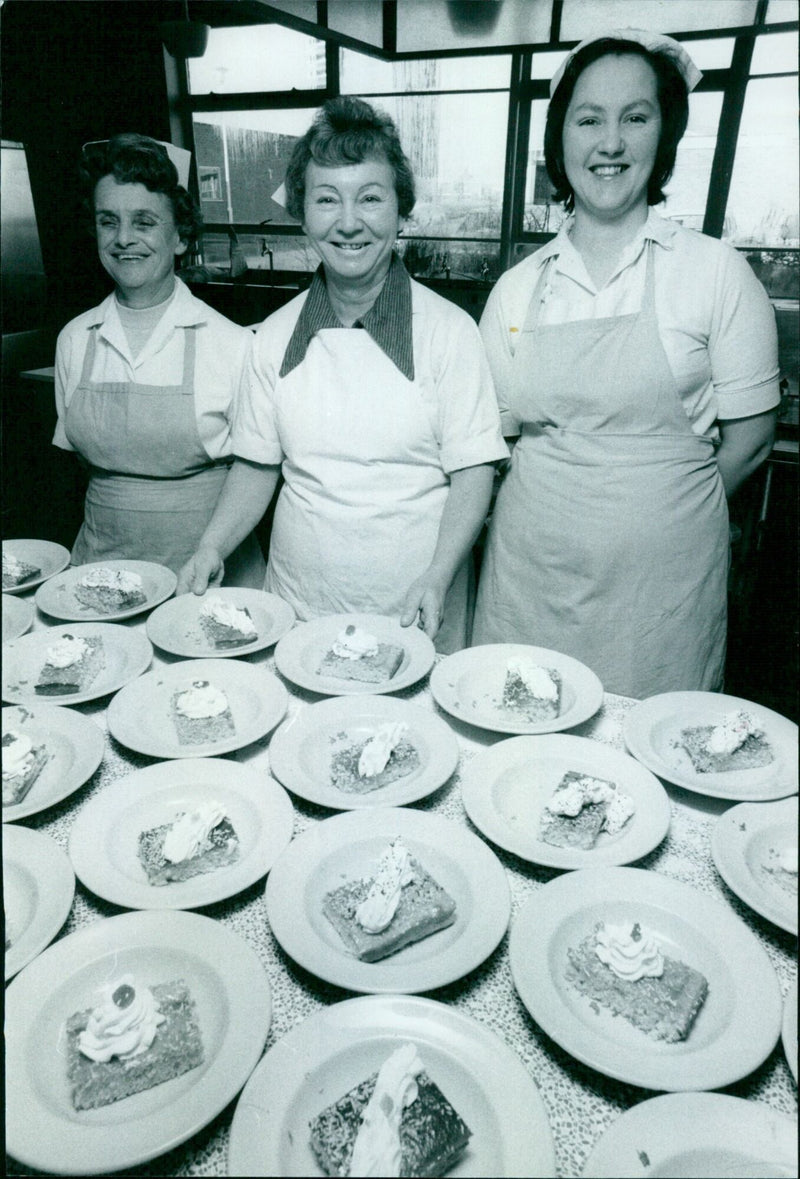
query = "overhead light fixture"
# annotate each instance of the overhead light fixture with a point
(184, 38)
(473, 16)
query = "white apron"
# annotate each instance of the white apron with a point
(609, 539)
(357, 518)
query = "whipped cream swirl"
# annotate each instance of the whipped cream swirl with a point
(378, 749)
(189, 833)
(123, 580)
(537, 680)
(66, 651)
(377, 1150)
(201, 700)
(630, 951)
(569, 801)
(123, 1024)
(17, 753)
(12, 566)
(732, 731)
(228, 615)
(380, 904)
(354, 643)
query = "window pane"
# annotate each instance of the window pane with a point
(764, 196)
(257, 57)
(540, 214)
(714, 54)
(687, 190)
(360, 74)
(781, 10)
(775, 54)
(544, 65)
(226, 256)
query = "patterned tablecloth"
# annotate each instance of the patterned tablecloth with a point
(580, 1102)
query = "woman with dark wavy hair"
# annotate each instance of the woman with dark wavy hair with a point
(146, 383)
(372, 396)
(636, 367)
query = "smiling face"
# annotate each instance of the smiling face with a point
(351, 219)
(137, 240)
(611, 134)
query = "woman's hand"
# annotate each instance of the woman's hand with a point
(424, 604)
(205, 568)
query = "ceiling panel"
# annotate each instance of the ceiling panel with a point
(585, 18)
(362, 19)
(470, 24)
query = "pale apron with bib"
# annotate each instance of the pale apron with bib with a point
(152, 487)
(609, 539)
(358, 516)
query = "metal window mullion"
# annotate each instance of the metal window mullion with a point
(518, 133)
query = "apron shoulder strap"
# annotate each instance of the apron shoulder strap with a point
(89, 354)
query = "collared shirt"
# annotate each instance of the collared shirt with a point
(221, 352)
(714, 318)
(388, 321)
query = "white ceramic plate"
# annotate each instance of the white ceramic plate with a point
(696, 1134)
(789, 1029)
(300, 652)
(737, 1026)
(469, 685)
(46, 555)
(175, 626)
(300, 751)
(57, 596)
(38, 887)
(140, 716)
(747, 843)
(653, 732)
(104, 838)
(75, 745)
(505, 790)
(18, 616)
(127, 652)
(324, 1057)
(233, 1000)
(348, 846)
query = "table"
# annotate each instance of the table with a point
(581, 1103)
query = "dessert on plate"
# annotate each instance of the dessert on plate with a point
(134, 1038)
(225, 625)
(580, 808)
(622, 968)
(780, 868)
(395, 1122)
(108, 590)
(531, 691)
(22, 763)
(196, 841)
(384, 757)
(355, 654)
(376, 916)
(201, 714)
(17, 572)
(70, 665)
(737, 743)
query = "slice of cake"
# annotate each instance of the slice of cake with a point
(70, 665)
(17, 572)
(197, 841)
(531, 691)
(780, 868)
(384, 757)
(110, 590)
(357, 655)
(622, 968)
(226, 625)
(737, 743)
(402, 903)
(136, 1037)
(201, 714)
(580, 808)
(22, 763)
(396, 1122)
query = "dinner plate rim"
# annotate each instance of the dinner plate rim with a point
(49, 864)
(298, 939)
(725, 852)
(88, 1148)
(352, 1022)
(536, 925)
(165, 642)
(287, 770)
(91, 749)
(165, 583)
(97, 874)
(582, 710)
(789, 1028)
(420, 650)
(638, 722)
(25, 611)
(272, 695)
(60, 555)
(134, 644)
(477, 778)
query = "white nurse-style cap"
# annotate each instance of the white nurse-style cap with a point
(655, 42)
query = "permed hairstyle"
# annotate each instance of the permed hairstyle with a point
(673, 99)
(348, 130)
(137, 159)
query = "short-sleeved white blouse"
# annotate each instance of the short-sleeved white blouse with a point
(714, 318)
